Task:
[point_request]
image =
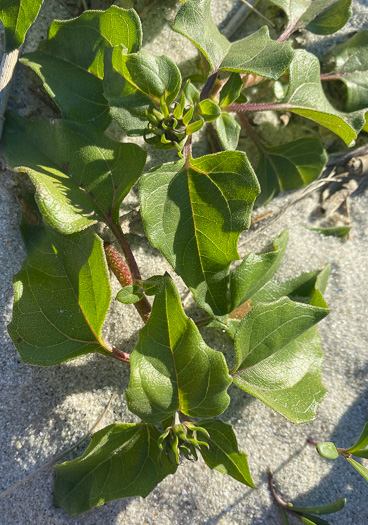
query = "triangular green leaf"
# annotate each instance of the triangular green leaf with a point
(361, 442)
(363, 471)
(80, 175)
(277, 349)
(228, 131)
(122, 460)
(70, 62)
(350, 65)
(134, 83)
(335, 506)
(305, 97)
(17, 17)
(62, 294)
(223, 454)
(256, 53)
(255, 271)
(289, 166)
(327, 450)
(172, 368)
(323, 17)
(194, 215)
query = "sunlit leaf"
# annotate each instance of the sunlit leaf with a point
(341, 232)
(228, 131)
(327, 450)
(361, 442)
(17, 17)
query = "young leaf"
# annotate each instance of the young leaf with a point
(231, 90)
(350, 65)
(122, 460)
(361, 442)
(134, 83)
(335, 506)
(62, 294)
(130, 294)
(228, 131)
(208, 110)
(172, 368)
(194, 213)
(305, 97)
(336, 231)
(322, 17)
(223, 454)
(289, 166)
(255, 271)
(70, 62)
(256, 53)
(279, 356)
(80, 175)
(363, 471)
(327, 450)
(17, 17)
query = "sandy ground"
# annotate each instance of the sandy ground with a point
(45, 410)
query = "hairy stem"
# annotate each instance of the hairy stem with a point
(254, 107)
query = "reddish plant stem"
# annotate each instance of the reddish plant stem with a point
(255, 107)
(123, 274)
(276, 497)
(288, 32)
(332, 76)
(251, 133)
(188, 152)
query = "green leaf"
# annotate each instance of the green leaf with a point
(363, 471)
(231, 90)
(194, 215)
(62, 294)
(70, 62)
(336, 231)
(256, 54)
(17, 17)
(228, 131)
(172, 368)
(305, 97)
(122, 460)
(130, 294)
(223, 454)
(279, 356)
(289, 166)
(361, 442)
(327, 450)
(322, 17)
(335, 506)
(151, 285)
(361, 453)
(208, 110)
(255, 271)
(80, 175)
(349, 63)
(191, 93)
(134, 83)
(308, 519)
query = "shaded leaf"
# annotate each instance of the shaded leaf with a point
(80, 175)
(289, 166)
(62, 294)
(130, 294)
(223, 454)
(279, 357)
(151, 285)
(361, 442)
(335, 506)
(336, 231)
(172, 368)
(17, 17)
(256, 53)
(363, 471)
(308, 519)
(122, 460)
(228, 131)
(305, 97)
(255, 271)
(361, 453)
(70, 62)
(134, 83)
(349, 63)
(194, 215)
(231, 90)
(322, 17)
(327, 450)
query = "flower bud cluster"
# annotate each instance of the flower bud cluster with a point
(181, 441)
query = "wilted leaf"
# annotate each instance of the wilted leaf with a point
(80, 175)
(122, 460)
(194, 215)
(70, 62)
(172, 368)
(17, 17)
(223, 454)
